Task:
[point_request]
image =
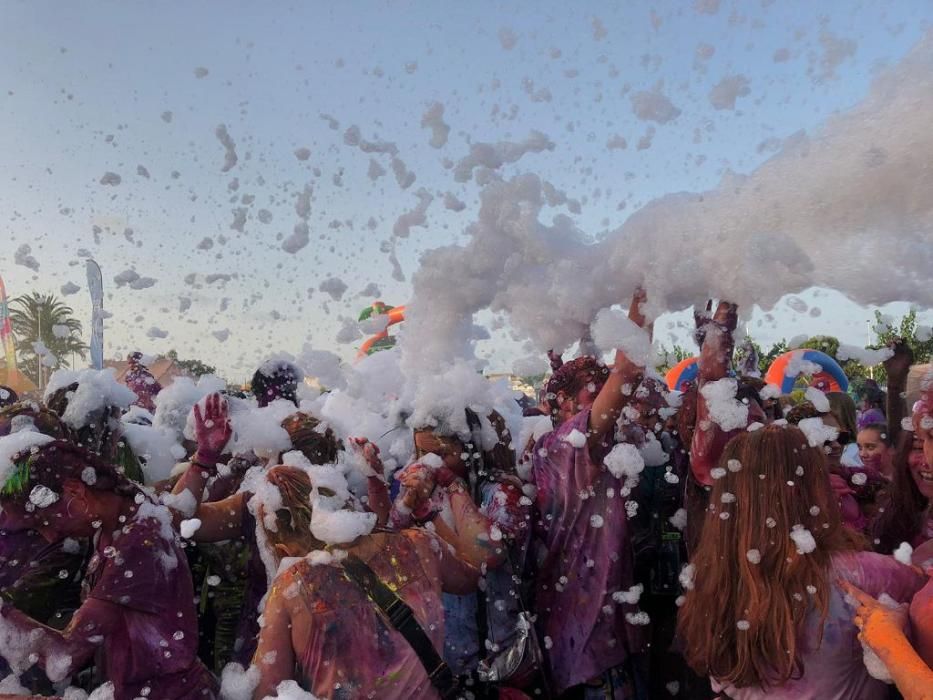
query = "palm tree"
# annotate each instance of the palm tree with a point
(38, 317)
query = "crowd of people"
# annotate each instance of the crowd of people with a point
(616, 540)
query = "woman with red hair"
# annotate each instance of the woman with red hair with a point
(764, 615)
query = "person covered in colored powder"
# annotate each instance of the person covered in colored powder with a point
(583, 548)
(137, 619)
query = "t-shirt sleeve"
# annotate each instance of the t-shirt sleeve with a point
(567, 450)
(136, 575)
(878, 573)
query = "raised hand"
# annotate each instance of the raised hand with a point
(418, 480)
(877, 623)
(726, 316)
(898, 365)
(701, 317)
(636, 307)
(370, 453)
(212, 428)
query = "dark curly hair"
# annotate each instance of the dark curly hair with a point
(41, 418)
(802, 411)
(574, 375)
(7, 396)
(276, 380)
(319, 446)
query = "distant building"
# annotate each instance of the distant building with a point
(516, 382)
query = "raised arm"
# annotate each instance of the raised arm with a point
(708, 439)
(377, 491)
(212, 431)
(882, 629)
(897, 367)
(481, 539)
(921, 621)
(275, 655)
(220, 520)
(718, 343)
(624, 375)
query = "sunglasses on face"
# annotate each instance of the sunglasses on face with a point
(845, 437)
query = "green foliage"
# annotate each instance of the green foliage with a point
(43, 317)
(887, 333)
(823, 343)
(826, 343)
(195, 368)
(669, 358)
(534, 380)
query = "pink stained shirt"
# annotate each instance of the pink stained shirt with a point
(834, 670)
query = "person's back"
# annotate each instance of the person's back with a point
(344, 646)
(763, 615)
(834, 669)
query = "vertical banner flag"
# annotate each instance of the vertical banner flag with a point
(6, 332)
(95, 285)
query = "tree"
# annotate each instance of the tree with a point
(195, 368)
(887, 332)
(42, 318)
(919, 340)
(828, 344)
(669, 358)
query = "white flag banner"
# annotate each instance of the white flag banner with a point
(95, 285)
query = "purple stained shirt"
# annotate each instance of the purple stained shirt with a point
(144, 385)
(581, 565)
(154, 636)
(834, 670)
(18, 547)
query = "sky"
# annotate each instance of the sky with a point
(92, 92)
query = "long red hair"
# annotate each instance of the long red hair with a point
(773, 482)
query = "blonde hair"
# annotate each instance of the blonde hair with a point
(293, 518)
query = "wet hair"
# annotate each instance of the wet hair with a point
(58, 399)
(802, 411)
(501, 456)
(902, 510)
(776, 595)
(39, 417)
(873, 396)
(882, 430)
(7, 396)
(572, 376)
(53, 464)
(319, 446)
(842, 407)
(276, 380)
(293, 519)
(481, 463)
(100, 435)
(748, 390)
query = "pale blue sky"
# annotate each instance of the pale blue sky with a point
(84, 86)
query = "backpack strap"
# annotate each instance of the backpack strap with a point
(401, 617)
